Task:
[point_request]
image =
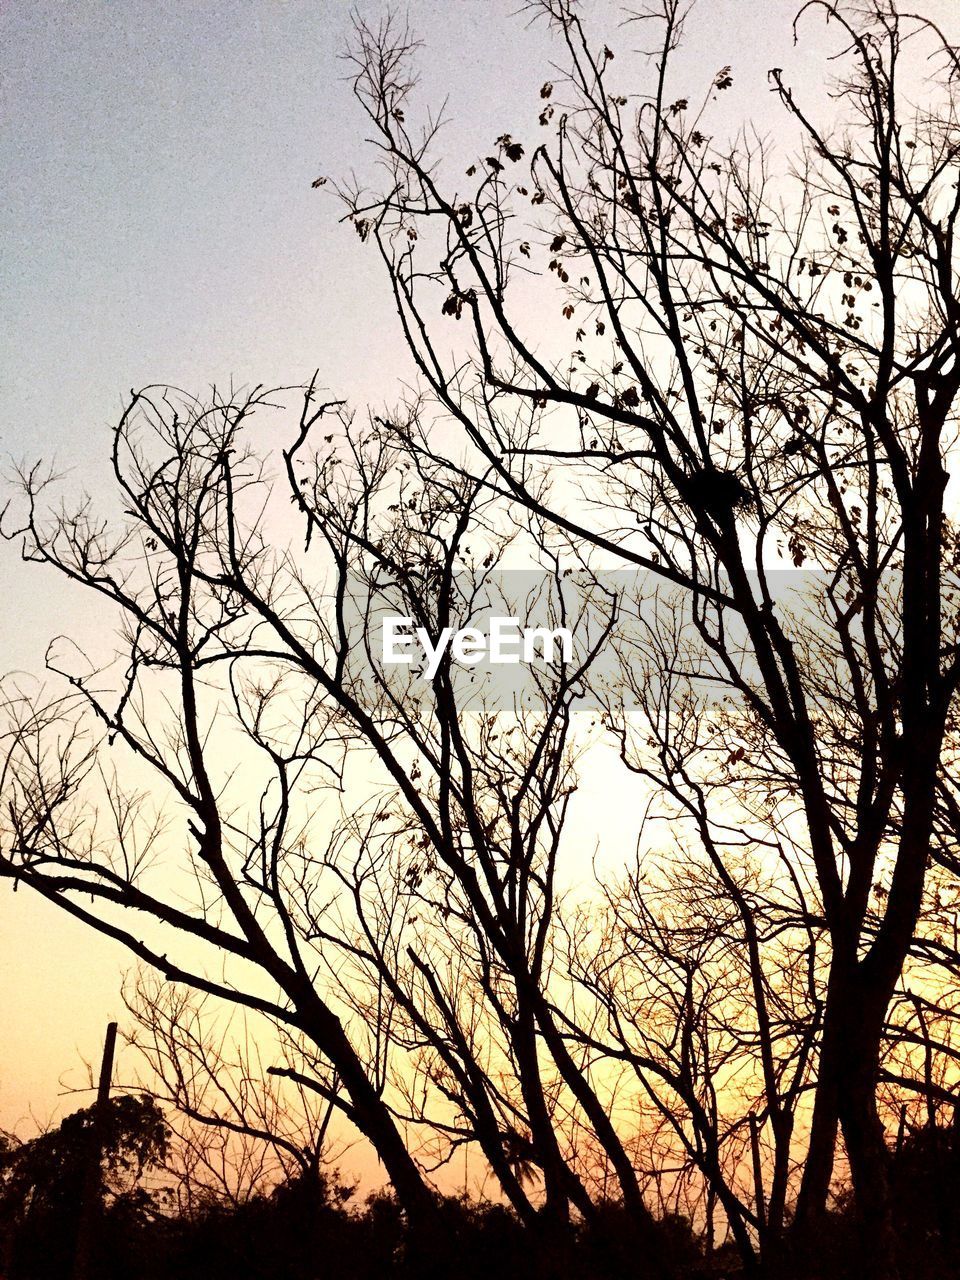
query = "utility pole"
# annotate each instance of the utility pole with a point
(90, 1201)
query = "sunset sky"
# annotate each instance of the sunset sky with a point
(160, 226)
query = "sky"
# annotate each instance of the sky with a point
(159, 226)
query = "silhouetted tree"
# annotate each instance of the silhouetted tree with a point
(235, 1129)
(764, 373)
(248, 690)
(42, 1183)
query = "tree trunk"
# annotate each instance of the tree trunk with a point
(869, 1165)
(373, 1118)
(821, 1150)
(846, 1095)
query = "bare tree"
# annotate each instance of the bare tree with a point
(236, 1129)
(218, 632)
(757, 415)
(261, 811)
(764, 373)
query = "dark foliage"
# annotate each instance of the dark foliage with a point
(305, 1230)
(42, 1186)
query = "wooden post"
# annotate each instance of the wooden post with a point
(90, 1201)
(901, 1129)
